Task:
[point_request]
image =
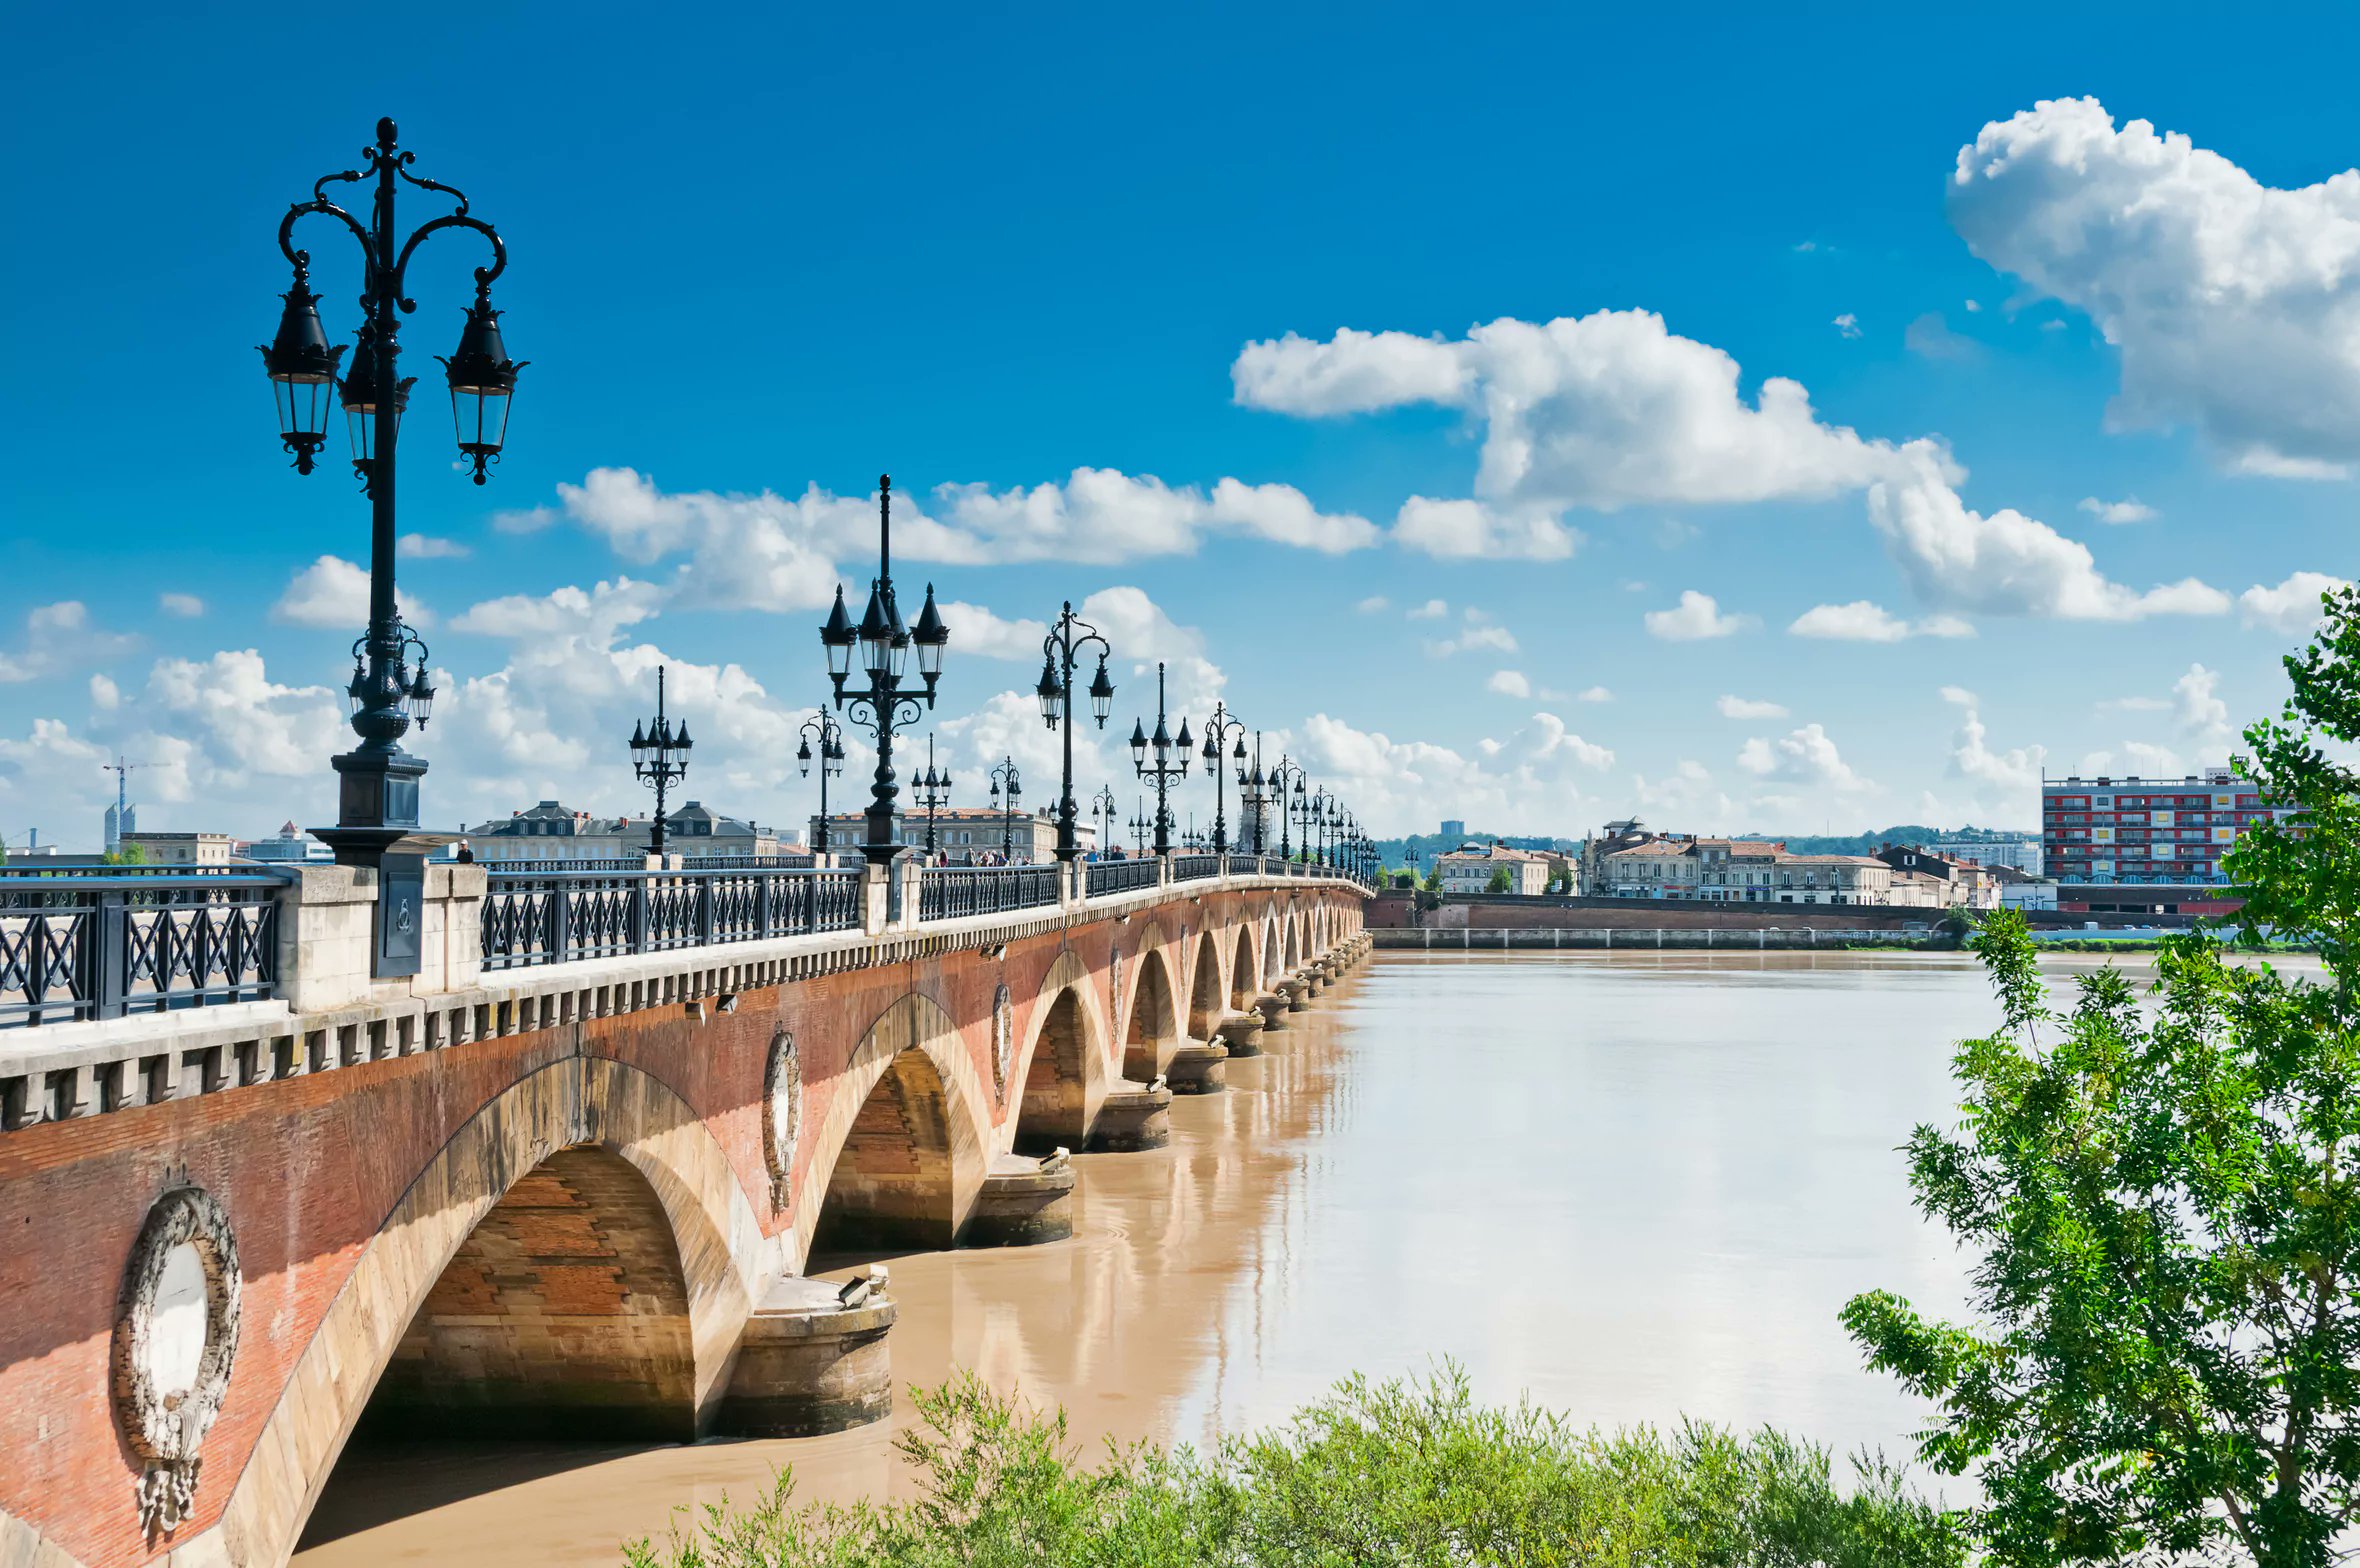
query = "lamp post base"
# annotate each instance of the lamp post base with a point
(378, 831)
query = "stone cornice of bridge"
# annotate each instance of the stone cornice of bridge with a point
(64, 1072)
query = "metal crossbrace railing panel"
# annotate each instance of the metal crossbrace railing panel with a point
(100, 942)
(957, 892)
(1117, 876)
(533, 916)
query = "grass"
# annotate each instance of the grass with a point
(1404, 1472)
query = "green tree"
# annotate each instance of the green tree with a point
(1433, 879)
(128, 855)
(1500, 881)
(2165, 1204)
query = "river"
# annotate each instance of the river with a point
(1632, 1185)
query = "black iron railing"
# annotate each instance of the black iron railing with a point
(102, 942)
(92, 942)
(541, 917)
(1117, 876)
(953, 892)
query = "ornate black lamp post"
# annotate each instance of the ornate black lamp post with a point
(1223, 731)
(1284, 772)
(1167, 768)
(660, 757)
(378, 789)
(1253, 791)
(1068, 638)
(884, 644)
(1139, 828)
(830, 735)
(1102, 810)
(1006, 786)
(933, 791)
(1318, 829)
(1303, 817)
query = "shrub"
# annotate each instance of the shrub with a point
(1398, 1472)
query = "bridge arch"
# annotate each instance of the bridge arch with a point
(903, 1142)
(1151, 1013)
(604, 1111)
(1273, 950)
(1244, 981)
(1206, 1000)
(1063, 1065)
(1291, 957)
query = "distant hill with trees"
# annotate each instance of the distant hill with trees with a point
(1396, 850)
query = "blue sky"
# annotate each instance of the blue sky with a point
(757, 258)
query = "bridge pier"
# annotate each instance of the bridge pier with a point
(808, 1364)
(1242, 1033)
(1197, 1067)
(1135, 1116)
(1023, 1202)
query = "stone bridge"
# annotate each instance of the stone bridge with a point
(568, 1178)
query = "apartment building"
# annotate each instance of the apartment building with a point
(2147, 845)
(1469, 869)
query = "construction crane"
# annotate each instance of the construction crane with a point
(122, 771)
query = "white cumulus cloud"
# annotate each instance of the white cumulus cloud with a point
(1468, 530)
(2006, 563)
(1805, 756)
(1864, 621)
(2293, 607)
(1509, 683)
(334, 594)
(1602, 411)
(2235, 306)
(2128, 510)
(1749, 708)
(1695, 618)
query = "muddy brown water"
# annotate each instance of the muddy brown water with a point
(1632, 1186)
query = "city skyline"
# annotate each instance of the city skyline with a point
(1666, 448)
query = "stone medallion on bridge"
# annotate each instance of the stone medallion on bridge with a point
(1003, 1041)
(176, 1333)
(782, 1093)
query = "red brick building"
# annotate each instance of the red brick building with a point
(2134, 845)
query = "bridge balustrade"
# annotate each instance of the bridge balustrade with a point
(80, 944)
(1101, 877)
(538, 917)
(104, 942)
(953, 892)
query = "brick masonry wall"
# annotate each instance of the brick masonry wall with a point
(563, 1314)
(308, 1169)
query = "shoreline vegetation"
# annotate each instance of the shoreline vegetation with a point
(1406, 1471)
